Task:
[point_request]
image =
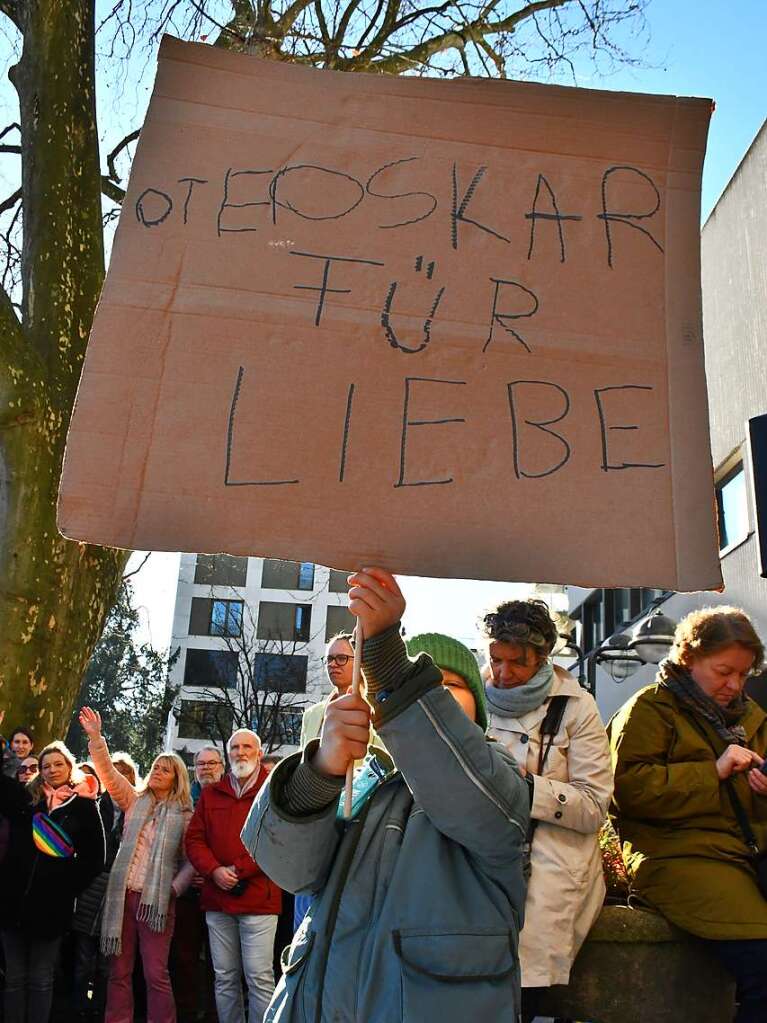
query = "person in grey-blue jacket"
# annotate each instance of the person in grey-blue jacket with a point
(419, 899)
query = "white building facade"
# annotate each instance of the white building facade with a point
(251, 635)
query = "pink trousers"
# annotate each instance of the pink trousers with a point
(154, 948)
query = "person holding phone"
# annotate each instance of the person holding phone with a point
(690, 800)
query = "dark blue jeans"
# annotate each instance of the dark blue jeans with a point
(30, 964)
(747, 962)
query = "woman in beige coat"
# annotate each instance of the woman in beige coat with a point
(553, 728)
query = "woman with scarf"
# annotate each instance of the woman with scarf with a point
(553, 729)
(55, 849)
(148, 873)
(687, 752)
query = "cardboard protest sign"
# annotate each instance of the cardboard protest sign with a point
(448, 327)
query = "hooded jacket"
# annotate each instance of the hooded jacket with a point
(38, 890)
(213, 840)
(419, 899)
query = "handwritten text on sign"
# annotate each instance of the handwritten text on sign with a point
(450, 327)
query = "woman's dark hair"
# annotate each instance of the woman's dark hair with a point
(22, 731)
(522, 622)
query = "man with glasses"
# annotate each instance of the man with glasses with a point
(339, 658)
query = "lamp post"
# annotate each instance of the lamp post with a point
(623, 654)
(652, 638)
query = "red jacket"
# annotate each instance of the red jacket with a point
(213, 840)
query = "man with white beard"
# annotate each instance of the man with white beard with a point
(241, 904)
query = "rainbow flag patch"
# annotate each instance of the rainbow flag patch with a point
(50, 838)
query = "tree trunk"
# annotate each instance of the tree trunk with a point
(54, 594)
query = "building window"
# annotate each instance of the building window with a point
(287, 575)
(338, 583)
(226, 618)
(286, 622)
(213, 617)
(204, 719)
(289, 727)
(211, 668)
(282, 728)
(732, 507)
(220, 570)
(340, 619)
(281, 673)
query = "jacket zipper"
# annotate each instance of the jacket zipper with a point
(335, 905)
(467, 771)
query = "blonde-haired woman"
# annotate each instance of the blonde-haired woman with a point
(55, 849)
(148, 872)
(690, 795)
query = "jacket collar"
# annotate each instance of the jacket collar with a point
(226, 788)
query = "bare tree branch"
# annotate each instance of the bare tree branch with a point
(11, 201)
(10, 127)
(129, 575)
(11, 9)
(116, 152)
(111, 190)
(457, 38)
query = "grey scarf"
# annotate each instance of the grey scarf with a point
(513, 703)
(164, 855)
(724, 720)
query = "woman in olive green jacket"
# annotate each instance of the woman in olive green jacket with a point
(678, 746)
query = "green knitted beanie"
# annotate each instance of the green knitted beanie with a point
(450, 654)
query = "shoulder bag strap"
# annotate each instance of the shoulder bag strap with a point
(737, 807)
(549, 728)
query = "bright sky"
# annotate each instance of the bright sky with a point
(710, 48)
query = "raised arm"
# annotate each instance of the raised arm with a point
(471, 790)
(119, 788)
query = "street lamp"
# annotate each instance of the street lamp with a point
(619, 660)
(652, 638)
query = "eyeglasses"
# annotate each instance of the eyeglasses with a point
(30, 769)
(339, 659)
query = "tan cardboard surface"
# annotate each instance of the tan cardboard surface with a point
(452, 328)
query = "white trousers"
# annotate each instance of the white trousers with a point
(242, 945)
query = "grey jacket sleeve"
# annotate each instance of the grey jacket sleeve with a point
(295, 850)
(470, 788)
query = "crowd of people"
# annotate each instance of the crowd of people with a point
(468, 874)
